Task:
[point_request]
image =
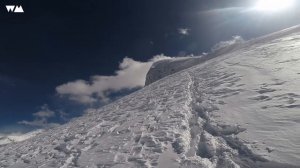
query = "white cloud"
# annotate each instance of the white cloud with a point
(184, 31)
(43, 123)
(131, 74)
(41, 118)
(223, 11)
(63, 115)
(45, 112)
(236, 40)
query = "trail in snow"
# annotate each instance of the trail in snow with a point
(240, 109)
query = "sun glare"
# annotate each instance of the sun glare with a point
(274, 5)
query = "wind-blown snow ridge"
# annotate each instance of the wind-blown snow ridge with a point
(164, 68)
(240, 109)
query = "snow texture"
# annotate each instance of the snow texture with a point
(17, 137)
(237, 109)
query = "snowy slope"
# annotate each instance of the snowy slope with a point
(17, 137)
(240, 109)
(167, 67)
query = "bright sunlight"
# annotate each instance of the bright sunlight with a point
(273, 5)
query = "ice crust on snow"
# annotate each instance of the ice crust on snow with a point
(240, 109)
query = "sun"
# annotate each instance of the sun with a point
(273, 5)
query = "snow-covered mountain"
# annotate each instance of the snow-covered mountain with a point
(167, 67)
(235, 109)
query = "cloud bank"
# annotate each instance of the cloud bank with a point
(41, 118)
(130, 75)
(236, 40)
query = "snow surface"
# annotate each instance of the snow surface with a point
(240, 109)
(17, 137)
